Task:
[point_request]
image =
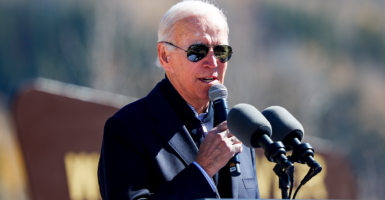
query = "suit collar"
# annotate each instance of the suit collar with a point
(170, 127)
(185, 113)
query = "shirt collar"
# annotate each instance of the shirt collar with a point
(202, 115)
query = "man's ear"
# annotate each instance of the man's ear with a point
(164, 57)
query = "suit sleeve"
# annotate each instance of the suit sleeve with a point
(124, 171)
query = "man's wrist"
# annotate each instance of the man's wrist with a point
(206, 168)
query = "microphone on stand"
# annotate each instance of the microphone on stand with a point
(218, 95)
(287, 129)
(253, 129)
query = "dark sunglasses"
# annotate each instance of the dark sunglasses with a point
(197, 52)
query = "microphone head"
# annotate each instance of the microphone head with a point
(285, 126)
(218, 91)
(247, 124)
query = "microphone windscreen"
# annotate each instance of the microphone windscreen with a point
(284, 124)
(218, 91)
(244, 121)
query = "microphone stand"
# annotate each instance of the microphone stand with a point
(275, 152)
(303, 154)
(285, 179)
(313, 171)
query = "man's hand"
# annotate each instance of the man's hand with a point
(218, 147)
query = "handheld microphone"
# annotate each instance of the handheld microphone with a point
(254, 130)
(218, 95)
(288, 130)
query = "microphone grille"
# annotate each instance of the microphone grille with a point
(244, 121)
(283, 123)
(218, 91)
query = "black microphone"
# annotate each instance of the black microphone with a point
(288, 130)
(253, 129)
(218, 95)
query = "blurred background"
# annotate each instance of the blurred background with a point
(323, 61)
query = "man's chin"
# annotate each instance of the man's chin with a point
(204, 97)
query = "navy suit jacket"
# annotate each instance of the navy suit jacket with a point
(148, 153)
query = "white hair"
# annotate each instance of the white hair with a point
(182, 10)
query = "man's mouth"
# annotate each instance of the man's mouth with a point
(208, 80)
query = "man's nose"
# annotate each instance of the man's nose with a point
(210, 59)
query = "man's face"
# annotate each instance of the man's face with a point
(194, 79)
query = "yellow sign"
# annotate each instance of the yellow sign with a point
(81, 169)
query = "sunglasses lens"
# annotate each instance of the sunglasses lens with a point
(196, 52)
(223, 53)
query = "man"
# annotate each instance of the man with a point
(154, 147)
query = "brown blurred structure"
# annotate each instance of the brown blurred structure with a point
(60, 129)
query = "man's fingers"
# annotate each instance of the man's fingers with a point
(234, 140)
(222, 126)
(238, 148)
(225, 133)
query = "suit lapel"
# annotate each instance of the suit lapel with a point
(170, 127)
(179, 139)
